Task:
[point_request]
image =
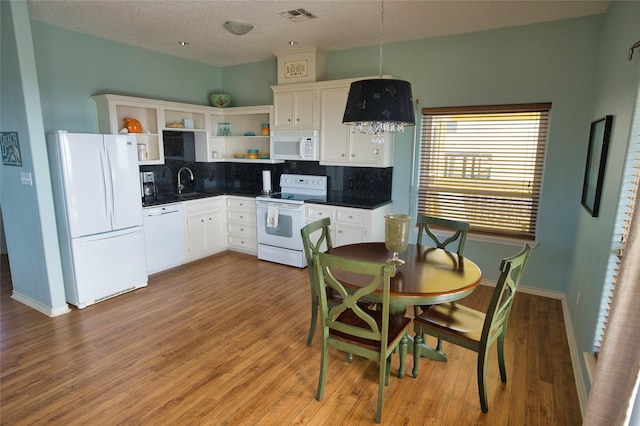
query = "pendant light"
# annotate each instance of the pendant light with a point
(379, 105)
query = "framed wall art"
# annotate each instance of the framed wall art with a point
(10, 147)
(596, 162)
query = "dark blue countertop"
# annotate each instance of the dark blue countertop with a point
(334, 198)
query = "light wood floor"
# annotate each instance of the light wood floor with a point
(222, 341)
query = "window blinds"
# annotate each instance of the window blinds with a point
(484, 165)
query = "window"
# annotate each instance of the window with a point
(483, 165)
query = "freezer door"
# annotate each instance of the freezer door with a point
(122, 163)
(84, 183)
(107, 265)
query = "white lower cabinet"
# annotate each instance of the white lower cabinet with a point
(350, 225)
(241, 224)
(205, 227)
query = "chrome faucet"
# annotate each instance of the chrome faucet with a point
(180, 185)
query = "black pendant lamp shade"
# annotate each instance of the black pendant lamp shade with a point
(380, 100)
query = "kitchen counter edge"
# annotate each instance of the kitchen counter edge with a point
(359, 204)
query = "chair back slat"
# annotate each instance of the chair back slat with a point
(316, 238)
(511, 270)
(375, 273)
(459, 228)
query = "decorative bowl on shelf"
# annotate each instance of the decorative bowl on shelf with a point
(238, 155)
(264, 156)
(220, 100)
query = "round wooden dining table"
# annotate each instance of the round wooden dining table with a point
(428, 276)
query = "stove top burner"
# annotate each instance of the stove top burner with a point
(293, 198)
(299, 188)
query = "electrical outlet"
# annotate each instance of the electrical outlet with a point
(578, 300)
(25, 178)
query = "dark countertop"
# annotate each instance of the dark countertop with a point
(342, 200)
(161, 199)
(334, 198)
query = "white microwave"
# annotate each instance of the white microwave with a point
(301, 145)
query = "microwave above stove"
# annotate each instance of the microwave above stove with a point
(300, 145)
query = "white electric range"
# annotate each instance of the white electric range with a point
(280, 217)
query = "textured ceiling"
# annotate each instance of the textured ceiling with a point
(160, 25)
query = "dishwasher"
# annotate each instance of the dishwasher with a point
(164, 236)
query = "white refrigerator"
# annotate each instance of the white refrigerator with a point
(96, 190)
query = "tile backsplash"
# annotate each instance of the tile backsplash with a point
(357, 182)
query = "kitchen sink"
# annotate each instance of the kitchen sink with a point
(192, 195)
(173, 198)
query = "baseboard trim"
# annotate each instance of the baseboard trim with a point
(571, 338)
(50, 312)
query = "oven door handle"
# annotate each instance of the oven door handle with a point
(280, 206)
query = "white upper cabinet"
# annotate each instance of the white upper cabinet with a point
(244, 132)
(295, 108)
(343, 145)
(245, 126)
(111, 110)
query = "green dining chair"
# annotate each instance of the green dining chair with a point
(458, 227)
(372, 334)
(472, 329)
(457, 231)
(316, 238)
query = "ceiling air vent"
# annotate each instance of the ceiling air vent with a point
(298, 15)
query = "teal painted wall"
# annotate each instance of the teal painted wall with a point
(73, 66)
(250, 84)
(31, 236)
(615, 91)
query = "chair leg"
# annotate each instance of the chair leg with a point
(503, 369)
(382, 381)
(482, 388)
(403, 354)
(387, 370)
(324, 364)
(314, 317)
(417, 348)
(416, 310)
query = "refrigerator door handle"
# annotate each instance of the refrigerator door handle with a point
(109, 179)
(106, 187)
